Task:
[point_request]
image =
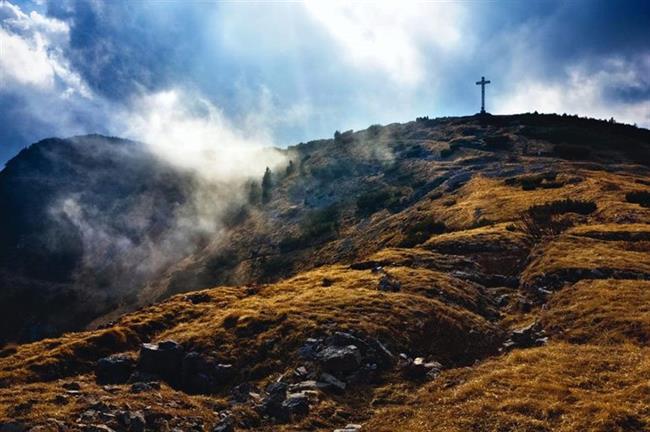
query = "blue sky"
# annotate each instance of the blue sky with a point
(277, 73)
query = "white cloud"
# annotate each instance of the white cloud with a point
(31, 53)
(585, 92)
(394, 37)
(193, 134)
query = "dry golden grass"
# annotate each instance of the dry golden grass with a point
(600, 312)
(488, 238)
(74, 353)
(45, 404)
(260, 333)
(622, 232)
(559, 387)
(259, 328)
(569, 252)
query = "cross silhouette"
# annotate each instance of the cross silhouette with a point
(482, 84)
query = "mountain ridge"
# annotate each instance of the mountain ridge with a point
(432, 275)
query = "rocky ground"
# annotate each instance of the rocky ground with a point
(478, 274)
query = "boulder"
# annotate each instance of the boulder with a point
(295, 405)
(195, 374)
(332, 383)
(272, 404)
(163, 359)
(132, 421)
(340, 360)
(114, 369)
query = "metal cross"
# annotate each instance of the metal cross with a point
(482, 84)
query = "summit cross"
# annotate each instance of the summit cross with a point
(482, 83)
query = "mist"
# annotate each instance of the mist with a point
(185, 171)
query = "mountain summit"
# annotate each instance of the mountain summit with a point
(466, 273)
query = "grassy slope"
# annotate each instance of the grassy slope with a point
(592, 375)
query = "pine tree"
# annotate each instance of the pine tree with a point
(291, 168)
(266, 186)
(254, 193)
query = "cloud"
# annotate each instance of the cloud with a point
(585, 92)
(392, 37)
(32, 53)
(191, 133)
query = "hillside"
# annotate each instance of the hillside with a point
(460, 274)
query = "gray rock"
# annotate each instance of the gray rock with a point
(332, 383)
(114, 369)
(340, 359)
(296, 405)
(389, 284)
(163, 359)
(141, 387)
(133, 421)
(419, 368)
(349, 428)
(226, 424)
(12, 426)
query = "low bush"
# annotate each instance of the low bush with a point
(542, 220)
(421, 231)
(319, 226)
(371, 202)
(571, 151)
(498, 142)
(638, 197)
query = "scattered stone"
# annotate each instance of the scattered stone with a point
(526, 337)
(301, 372)
(195, 374)
(133, 421)
(340, 359)
(197, 298)
(296, 405)
(349, 428)
(309, 350)
(332, 383)
(141, 387)
(226, 424)
(114, 369)
(365, 265)
(12, 426)
(242, 392)
(60, 400)
(305, 385)
(71, 386)
(525, 306)
(97, 428)
(503, 300)
(418, 369)
(272, 404)
(389, 284)
(163, 359)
